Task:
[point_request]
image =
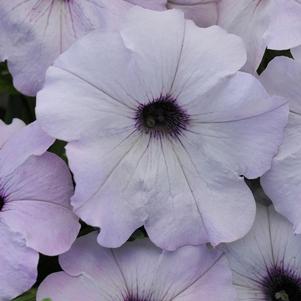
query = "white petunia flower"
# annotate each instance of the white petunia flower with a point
(273, 24)
(161, 126)
(138, 271)
(283, 182)
(33, 33)
(266, 263)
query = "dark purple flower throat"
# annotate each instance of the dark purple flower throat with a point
(161, 117)
(282, 285)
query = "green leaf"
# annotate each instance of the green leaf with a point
(28, 296)
(6, 81)
(59, 149)
(20, 106)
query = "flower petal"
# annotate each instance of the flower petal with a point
(141, 268)
(284, 29)
(281, 182)
(204, 13)
(202, 201)
(30, 140)
(288, 87)
(208, 55)
(154, 4)
(38, 204)
(186, 191)
(104, 103)
(270, 243)
(114, 191)
(228, 127)
(186, 274)
(248, 19)
(18, 264)
(8, 130)
(41, 30)
(155, 68)
(60, 286)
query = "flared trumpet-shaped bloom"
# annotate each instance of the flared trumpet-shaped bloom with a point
(283, 182)
(34, 32)
(266, 263)
(138, 271)
(35, 211)
(274, 24)
(203, 12)
(161, 126)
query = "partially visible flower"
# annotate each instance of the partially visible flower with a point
(33, 33)
(266, 263)
(203, 12)
(35, 211)
(283, 182)
(274, 24)
(161, 126)
(138, 271)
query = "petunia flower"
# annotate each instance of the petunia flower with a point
(34, 32)
(283, 182)
(203, 12)
(161, 126)
(273, 24)
(266, 263)
(138, 271)
(35, 211)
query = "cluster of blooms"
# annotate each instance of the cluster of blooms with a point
(164, 117)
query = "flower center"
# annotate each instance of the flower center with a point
(161, 117)
(282, 285)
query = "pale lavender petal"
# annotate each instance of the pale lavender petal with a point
(248, 19)
(30, 140)
(284, 29)
(140, 270)
(146, 53)
(62, 287)
(114, 189)
(270, 244)
(150, 4)
(200, 202)
(106, 95)
(37, 204)
(288, 87)
(208, 56)
(262, 24)
(203, 12)
(34, 33)
(6, 131)
(281, 183)
(18, 264)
